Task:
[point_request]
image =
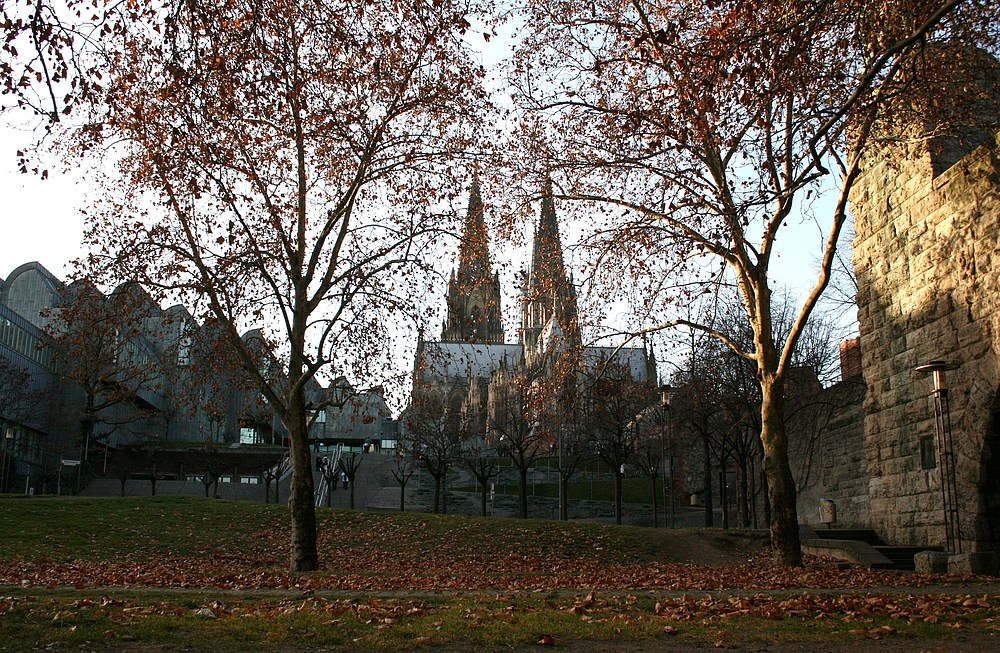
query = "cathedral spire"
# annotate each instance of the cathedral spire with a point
(548, 290)
(474, 291)
(474, 252)
(546, 252)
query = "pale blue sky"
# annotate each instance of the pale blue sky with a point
(42, 219)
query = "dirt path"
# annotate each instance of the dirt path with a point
(969, 642)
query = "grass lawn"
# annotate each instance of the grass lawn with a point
(182, 573)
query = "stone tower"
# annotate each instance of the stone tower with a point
(474, 289)
(927, 258)
(548, 299)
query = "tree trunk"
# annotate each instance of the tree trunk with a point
(522, 490)
(780, 484)
(88, 424)
(656, 513)
(742, 501)
(437, 494)
(301, 499)
(618, 494)
(563, 498)
(723, 493)
(707, 478)
(402, 497)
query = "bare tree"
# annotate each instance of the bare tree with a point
(650, 453)
(101, 351)
(720, 401)
(694, 131)
(513, 424)
(433, 437)
(281, 174)
(212, 467)
(152, 457)
(274, 474)
(612, 401)
(484, 467)
(349, 466)
(125, 461)
(16, 398)
(403, 470)
(572, 449)
(560, 418)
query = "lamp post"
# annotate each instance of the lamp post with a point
(7, 441)
(946, 452)
(666, 453)
(563, 511)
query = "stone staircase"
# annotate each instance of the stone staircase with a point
(862, 546)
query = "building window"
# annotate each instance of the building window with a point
(184, 351)
(928, 455)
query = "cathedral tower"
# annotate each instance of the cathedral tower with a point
(548, 295)
(474, 289)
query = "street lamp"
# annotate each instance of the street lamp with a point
(666, 394)
(7, 445)
(946, 452)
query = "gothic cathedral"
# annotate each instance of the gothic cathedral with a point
(471, 364)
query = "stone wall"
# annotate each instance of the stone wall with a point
(926, 255)
(826, 450)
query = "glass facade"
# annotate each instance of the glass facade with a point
(21, 337)
(29, 291)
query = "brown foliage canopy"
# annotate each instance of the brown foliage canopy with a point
(699, 128)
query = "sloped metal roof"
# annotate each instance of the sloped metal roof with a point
(450, 360)
(633, 359)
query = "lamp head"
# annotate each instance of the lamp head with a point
(937, 369)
